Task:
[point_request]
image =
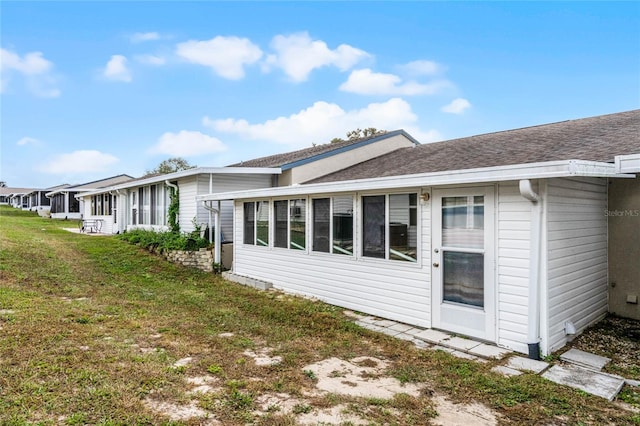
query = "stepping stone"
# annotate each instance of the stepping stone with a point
(489, 351)
(404, 336)
(432, 336)
(603, 385)
(401, 327)
(585, 359)
(460, 343)
(527, 364)
(506, 371)
(385, 323)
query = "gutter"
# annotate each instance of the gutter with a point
(533, 329)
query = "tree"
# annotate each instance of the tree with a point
(171, 165)
(360, 134)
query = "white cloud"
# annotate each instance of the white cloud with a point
(457, 106)
(117, 70)
(187, 143)
(28, 141)
(83, 161)
(298, 55)
(36, 70)
(367, 82)
(151, 59)
(226, 56)
(422, 68)
(140, 37)
(323, 121)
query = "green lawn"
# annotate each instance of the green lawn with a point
(90, 328)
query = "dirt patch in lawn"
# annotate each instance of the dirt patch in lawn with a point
(342, 381)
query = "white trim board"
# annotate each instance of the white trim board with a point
(551, 169)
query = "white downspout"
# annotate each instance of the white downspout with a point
(533, 330)
(217, 249)
(210, 192)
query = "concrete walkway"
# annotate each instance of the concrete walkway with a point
(580, 370)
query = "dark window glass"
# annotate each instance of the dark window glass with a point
(74, 203)
(321, 224)
(373, 226)
(343, 225)
(280, 217)
(152, 206)
(298, 215)
(262, 223)
(249, 223)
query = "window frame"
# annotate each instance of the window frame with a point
(387, 215)
(255, 239)
(354, 223)
(289, 217)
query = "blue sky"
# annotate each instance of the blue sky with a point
(94, 89)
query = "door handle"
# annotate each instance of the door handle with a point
(436, 264)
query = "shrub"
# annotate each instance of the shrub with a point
(153, 240)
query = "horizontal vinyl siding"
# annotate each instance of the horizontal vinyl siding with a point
(576, 254)
(389, 289)
(188, 209)
(201, 185)
(513, 245)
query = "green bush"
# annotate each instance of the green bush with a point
(152, 240)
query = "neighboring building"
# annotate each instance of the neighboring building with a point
(501, 237)
(144, 202)
(65, 205)
(13, 196)
(37, 200)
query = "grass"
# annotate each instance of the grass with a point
(90, 328)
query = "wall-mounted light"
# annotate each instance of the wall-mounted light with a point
(424, 197)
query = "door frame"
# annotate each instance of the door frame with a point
(474, 322)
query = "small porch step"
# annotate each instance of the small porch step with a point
(248, 281)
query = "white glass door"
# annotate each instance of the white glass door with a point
(463, 286)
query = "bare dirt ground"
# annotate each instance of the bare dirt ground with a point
(357, 377)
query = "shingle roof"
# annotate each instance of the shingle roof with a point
(598, 138)
(280, 160)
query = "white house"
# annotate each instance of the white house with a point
(13, 196)
(65, 205)
(501, 237)
(143, 203)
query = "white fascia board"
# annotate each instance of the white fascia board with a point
(544, 170)
(183, 174)
(628, 163)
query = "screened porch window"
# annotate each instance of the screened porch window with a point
(389, 227)
(74, 203)
(290, 226)
(256, 223)
(333, 225)
(249, 223)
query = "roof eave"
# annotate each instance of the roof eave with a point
(545, 170)
(183, 174)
